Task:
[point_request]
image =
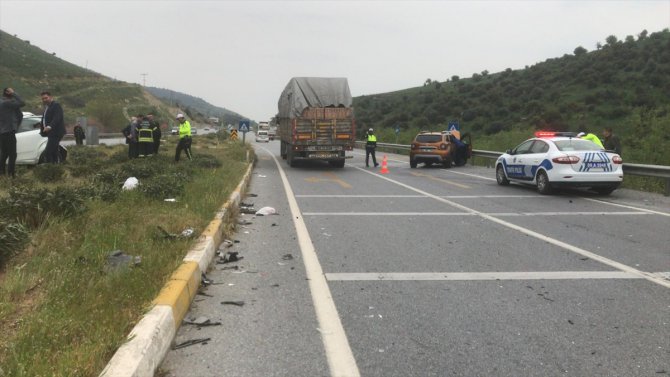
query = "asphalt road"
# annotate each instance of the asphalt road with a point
(433, 272)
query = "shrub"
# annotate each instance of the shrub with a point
(207, 161)
(13, 236)
(32, 206)
(164, 186)
(46, 173)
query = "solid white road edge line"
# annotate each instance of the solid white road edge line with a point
(502, 214)
(470, 276)
(338, 352)
(612, 263)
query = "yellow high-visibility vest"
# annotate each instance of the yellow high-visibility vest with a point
(184, 129)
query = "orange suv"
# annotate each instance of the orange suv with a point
(432, 148)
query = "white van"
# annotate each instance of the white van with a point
(262, 135)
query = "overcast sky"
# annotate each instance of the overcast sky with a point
(240, 54)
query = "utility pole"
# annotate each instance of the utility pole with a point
(144, 78)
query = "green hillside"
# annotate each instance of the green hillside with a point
(105, 102)
(194, 106)
(623, 84)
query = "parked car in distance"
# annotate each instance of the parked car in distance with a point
(432, 148)
(194, 131)
(552, 160)
(30, 145)
(174, 131)
(262, 135)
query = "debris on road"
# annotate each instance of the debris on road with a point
(201, 322)
(266, 211)
(228, 257)
(247, 210)
(204, 280)
(191, 342)
(236, 303)
(287, 257)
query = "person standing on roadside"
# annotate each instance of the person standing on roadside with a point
(79, 134)
(370, 146)
(53, 123)
(145, 136)
(156, 128)
(130, 132)
(612, 142)
(586, 135)
(10, 119)
(184, 138)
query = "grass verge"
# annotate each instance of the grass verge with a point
(64, 310)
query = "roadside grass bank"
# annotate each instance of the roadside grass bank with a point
(66, 305)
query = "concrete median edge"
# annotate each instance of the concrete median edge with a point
(150, 339)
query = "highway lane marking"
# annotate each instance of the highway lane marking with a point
(330, 177)
(629, 207)
(470, 276)
(612, 263)
(341, 361)
(420, 196)
(439, 180)
(502, 214)
(589, 199)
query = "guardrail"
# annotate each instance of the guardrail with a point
(655, 171)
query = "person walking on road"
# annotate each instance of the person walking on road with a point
(53, 124)
(10, 119)
(612, 142)
(184, 138)
(370, 146)
(79, 135)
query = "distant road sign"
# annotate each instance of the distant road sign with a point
(244, 126)
(454, 126)
(233, 134)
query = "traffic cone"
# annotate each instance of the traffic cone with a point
(385, 169)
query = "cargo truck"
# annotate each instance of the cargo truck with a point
(316, 120)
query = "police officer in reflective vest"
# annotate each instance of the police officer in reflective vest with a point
(145, 137)
(370, 148)
(184, 138)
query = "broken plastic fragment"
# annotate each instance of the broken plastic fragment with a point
(265, 211)
(130, 183)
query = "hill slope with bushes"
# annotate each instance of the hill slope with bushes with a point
(624, 84)
(105, 102)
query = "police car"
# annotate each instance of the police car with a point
(559, 159)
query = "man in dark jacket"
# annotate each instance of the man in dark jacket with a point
(612, 142)
(10, 119)
(156, 128)
(54, 126)
(130, 132)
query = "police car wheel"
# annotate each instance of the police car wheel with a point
(543, 185)
(500, 176)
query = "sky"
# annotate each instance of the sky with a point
(241, 54)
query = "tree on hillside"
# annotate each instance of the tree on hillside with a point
(611, 40)
(643, 34)
(580, 51)
(455, 78)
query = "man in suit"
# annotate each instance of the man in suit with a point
(54, 126)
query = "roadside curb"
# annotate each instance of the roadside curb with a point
(150, 339)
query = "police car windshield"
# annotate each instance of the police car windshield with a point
(428, 138)
(576, 145)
